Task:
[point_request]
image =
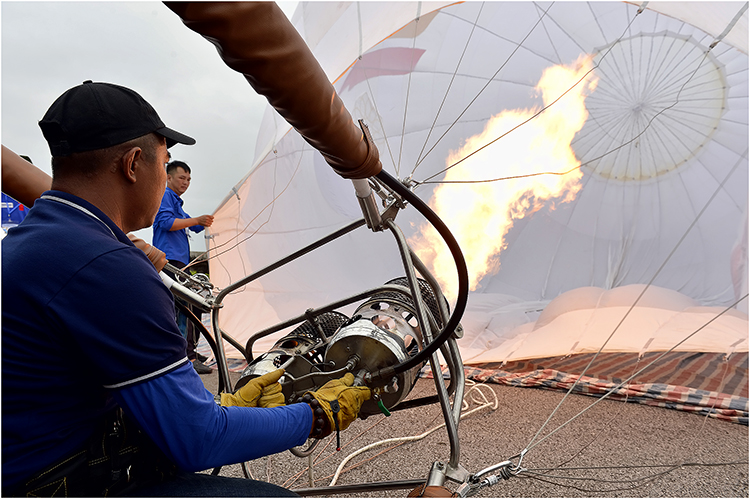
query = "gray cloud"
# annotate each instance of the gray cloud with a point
(48, 47)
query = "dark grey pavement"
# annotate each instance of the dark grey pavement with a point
(614, 449)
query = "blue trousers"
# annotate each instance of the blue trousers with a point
(201, 485)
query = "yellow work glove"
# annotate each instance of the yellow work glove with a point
(264, 391)
(340, 402)
(271, 395)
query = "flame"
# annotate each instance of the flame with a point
(480, 214)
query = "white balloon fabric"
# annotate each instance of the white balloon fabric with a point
(661, 204)
(575, 321)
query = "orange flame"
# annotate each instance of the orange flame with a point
(480, 214)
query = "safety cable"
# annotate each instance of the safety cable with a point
(531, 445)
(610, 151)
(271, 205)
(475, 394)
(648, 285)
(532, 117)
(481, 399)
(490, 80)
(595, 159)
(604, 426)
(639, 482)
(447, 91)
(408, 93)
(380, 119)
(512, 177)
(427, 180)
(698, 216)
(667, 259)
(640, 466)
(541, 474)
(293, 479)
(217, 254)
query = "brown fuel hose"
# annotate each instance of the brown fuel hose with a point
(257, 40)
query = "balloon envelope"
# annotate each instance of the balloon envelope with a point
(643, 252)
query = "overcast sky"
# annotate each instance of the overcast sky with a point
(49, 47)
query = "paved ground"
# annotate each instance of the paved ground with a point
(613, 450)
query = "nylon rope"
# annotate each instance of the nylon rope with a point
(532, 444)
(605, 426)
(638, 481)
(477, 395)
(606, 395)
(596, 66)
(270, 206)
(484, 405)
(380, 119)
(447, 91)
(408, 90)
(490, 80)
(567, 172)
(658, 271)
(627, 313)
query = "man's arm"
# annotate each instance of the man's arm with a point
(180, 415)
(23, 181)
(184, 223)
(140, 359)
(157, 256)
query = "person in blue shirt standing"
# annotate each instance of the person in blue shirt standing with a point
(171, 236)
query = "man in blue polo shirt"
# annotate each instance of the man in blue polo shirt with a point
(171, 236)
(129, 415)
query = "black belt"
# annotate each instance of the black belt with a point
(118, 458)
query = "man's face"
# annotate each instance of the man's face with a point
(179, 181)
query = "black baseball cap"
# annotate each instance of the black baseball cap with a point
(98, 115)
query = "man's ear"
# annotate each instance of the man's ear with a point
(129, 163)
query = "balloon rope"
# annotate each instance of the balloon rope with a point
(535, 115)
(267, 206)
(606, 425)
(610, 392)
(490, 80)
(484, 403)
(380, 118)
(397, 166)
(636, 137)
(627, 313)
(447, 91)
(638, 482)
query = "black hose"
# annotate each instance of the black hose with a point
(463, 277)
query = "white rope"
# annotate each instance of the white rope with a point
(474, 391)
